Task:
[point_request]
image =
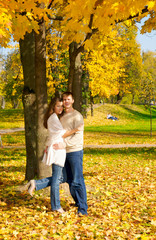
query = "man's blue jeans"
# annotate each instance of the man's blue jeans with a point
(74, 170)
(54, 182)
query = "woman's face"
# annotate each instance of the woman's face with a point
(58, 107)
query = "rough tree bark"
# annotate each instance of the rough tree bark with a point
(75, 75)
(32, 50)
(41, 98)
(27, 51)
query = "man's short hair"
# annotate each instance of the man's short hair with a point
(68, 94)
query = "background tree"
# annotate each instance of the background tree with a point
(148, 82)
(130, 52)
(12, 78)
(104, 66)
(2, 100)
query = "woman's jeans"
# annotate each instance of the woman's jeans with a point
(75, 179)
(73, 175)
(54, 182)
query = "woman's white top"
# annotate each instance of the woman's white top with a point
(55, 133)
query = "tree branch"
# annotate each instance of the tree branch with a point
(93, 31)
(50, 4)
(145, 10)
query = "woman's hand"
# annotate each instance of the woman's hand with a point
(58, 146)
(46, 149)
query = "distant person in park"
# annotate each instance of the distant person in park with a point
(109, 116)
(74, 153)
(55, 157)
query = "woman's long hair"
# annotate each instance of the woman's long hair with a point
(50, 109)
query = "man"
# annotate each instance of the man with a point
(74, 153)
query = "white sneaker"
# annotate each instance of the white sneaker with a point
(60, 210)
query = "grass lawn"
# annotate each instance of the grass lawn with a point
(133, 125)
(11, 118)
(121, 191)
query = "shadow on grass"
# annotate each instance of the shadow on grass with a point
(117, 130)
(13, 139)
(12, 169)
(9, 114)
(11, 153)
(124, 151)
(139, 115)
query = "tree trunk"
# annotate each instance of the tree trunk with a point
(41, 99)
(150, 120)
(75, 75)
(3, 103)
(32, 50)
(27, 51)
(119, 98)
(91, 105)
(77, 83)
(15, 104)
(132, 98)
(85, 88)
(72, 65)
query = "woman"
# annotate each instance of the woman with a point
(51, 156)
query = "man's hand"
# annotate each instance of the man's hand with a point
(58, 146)
(80, 127)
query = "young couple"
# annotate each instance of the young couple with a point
(65, 152)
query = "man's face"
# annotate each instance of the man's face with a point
(68, 101)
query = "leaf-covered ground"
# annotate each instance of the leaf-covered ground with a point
(121, 190)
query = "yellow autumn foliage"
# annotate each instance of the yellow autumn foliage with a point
(105, 65)
(18, 17)
(11, 78)
(55, 66)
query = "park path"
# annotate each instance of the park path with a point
(145, 145)
(11, 130)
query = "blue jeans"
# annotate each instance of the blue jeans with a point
(74, 171)
(54, 182)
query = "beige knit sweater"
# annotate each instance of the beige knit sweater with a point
(69, 121)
